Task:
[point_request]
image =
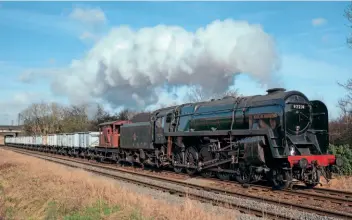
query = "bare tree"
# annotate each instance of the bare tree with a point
(196, 94)
(340, 129)
(123, 114)
(345, 103)
(42, 118)
(75, 118)
(348, 15)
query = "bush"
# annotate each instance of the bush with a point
(345, 152)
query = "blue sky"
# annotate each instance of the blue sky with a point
(45, 37)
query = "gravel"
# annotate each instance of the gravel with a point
(291, 213)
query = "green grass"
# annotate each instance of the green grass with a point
(52, 211)
(9, 213)
(96, 211)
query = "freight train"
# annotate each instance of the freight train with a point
(281, 136)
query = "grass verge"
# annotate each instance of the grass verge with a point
(31, 188)
(338, 182)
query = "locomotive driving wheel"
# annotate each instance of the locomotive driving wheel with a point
(244, 174)
(177, 159)
(191, 160)
(281, 179)
(204, 156)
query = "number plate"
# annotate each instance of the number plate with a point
(295, 106)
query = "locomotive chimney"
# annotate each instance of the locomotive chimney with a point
(273, 90)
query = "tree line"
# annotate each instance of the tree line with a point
(340, 129)
(48, 118)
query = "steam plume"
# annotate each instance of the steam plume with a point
(131, 68)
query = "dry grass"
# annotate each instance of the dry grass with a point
(339, 182)
(31, 188)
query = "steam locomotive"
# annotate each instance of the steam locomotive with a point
(280, 136)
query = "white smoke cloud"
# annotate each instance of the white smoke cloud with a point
(132, 67)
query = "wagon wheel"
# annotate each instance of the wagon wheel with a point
(120, 157)
(282, 179)
(141, 157)
(205, 155)
(177, 159)
(191, 160)
(116, 157)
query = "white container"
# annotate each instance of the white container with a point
(52, 140)
(69, 138)
(38, 140)
(93, 139)
(59, 140)
(28, 140)
(62, 140)
(88, 139)
(9, 140)
(82, 139)
(72, 140)
(31, 140)
(75, 141)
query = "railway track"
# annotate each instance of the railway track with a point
(332, 203)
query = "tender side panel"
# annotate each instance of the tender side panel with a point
(136, 136)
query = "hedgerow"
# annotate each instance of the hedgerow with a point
(345, 152)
